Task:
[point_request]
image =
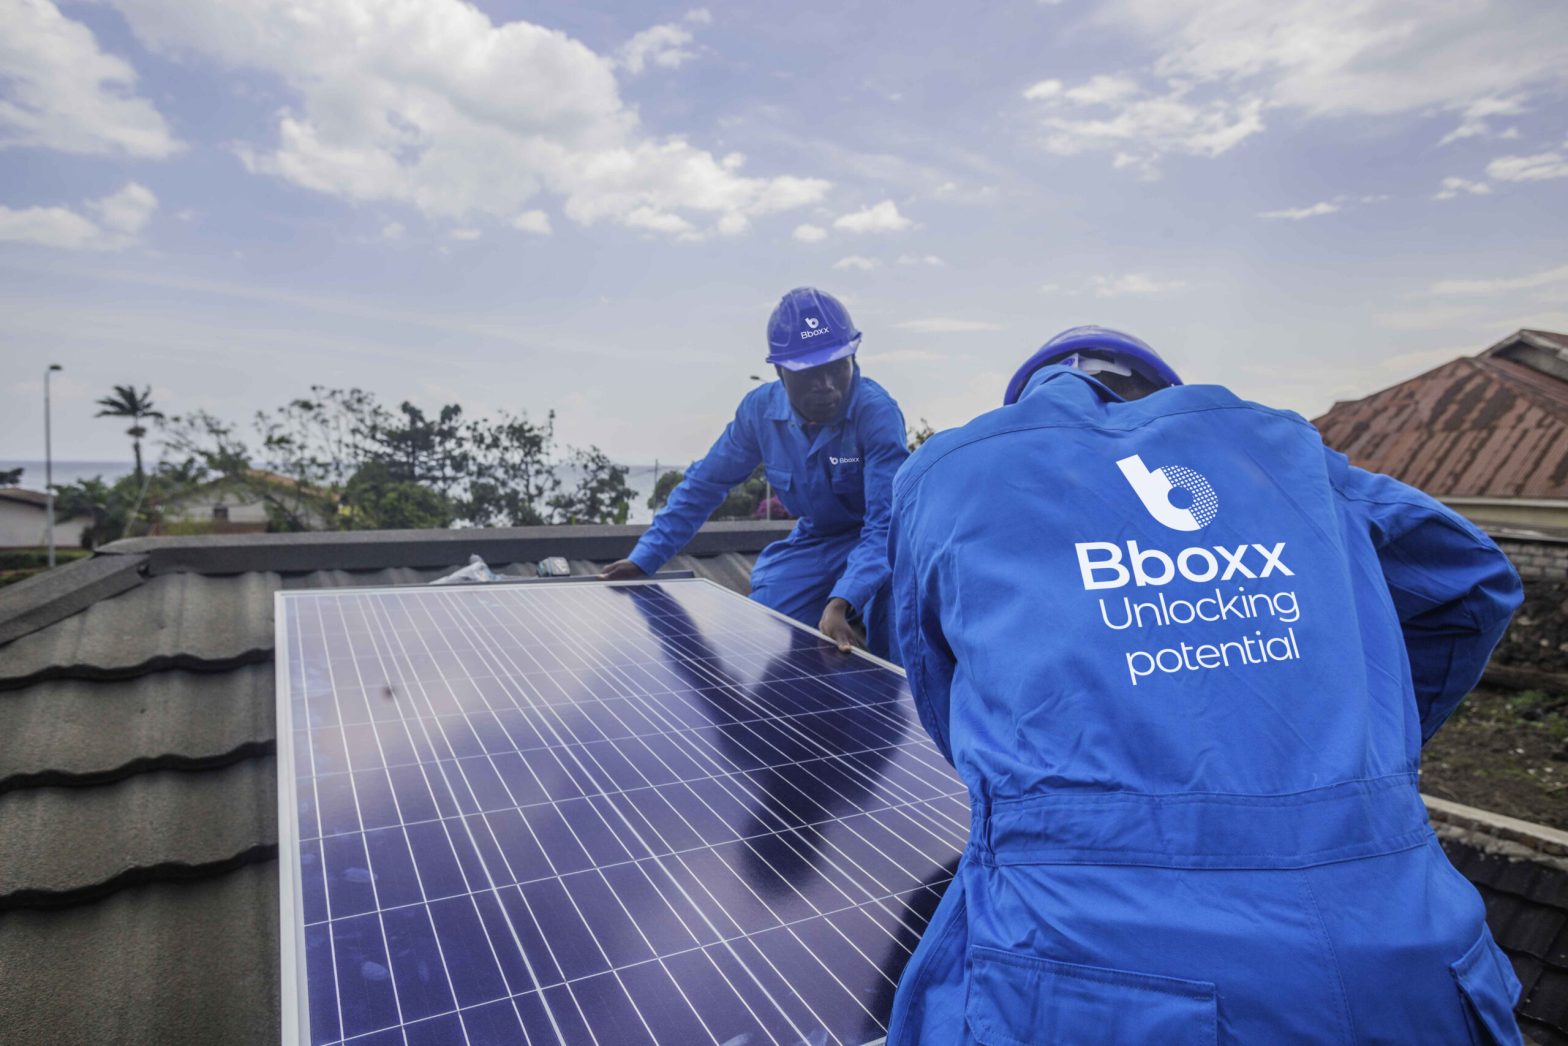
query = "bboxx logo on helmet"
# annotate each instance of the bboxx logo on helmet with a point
(817, 327)
(812, 321)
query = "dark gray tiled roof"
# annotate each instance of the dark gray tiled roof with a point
(1527, 910)
(138, 795)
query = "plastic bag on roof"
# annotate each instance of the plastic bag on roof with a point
(477, 570)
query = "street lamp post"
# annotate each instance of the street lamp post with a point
(767, 505)
(49, 461)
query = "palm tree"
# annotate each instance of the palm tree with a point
(128, 403)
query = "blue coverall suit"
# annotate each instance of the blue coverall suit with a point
(837, 478)
(1190, 727)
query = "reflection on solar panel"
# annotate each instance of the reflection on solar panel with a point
(650, 812)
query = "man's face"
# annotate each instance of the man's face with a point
(817, 393)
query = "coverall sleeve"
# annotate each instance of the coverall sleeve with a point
(729, 461)
(1453, 588)
(917, 603)
(884, 449)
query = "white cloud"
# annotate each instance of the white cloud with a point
(1296, 214)
(436, 107)
(1549, 278)
(536, 222)
(857, 261)
(465, 234)
(881, 217)
(1473, 121)
(1535, 168)
(63, 93)
(392, 231)
(1453, 187)
(930, 260)
(1133, 283)
(1141, 126)
(946, 325)
(667, 46)
(810, 233)
(126, 212)
(120, 216)
(1222, 65)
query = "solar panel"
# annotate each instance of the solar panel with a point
(597, 813)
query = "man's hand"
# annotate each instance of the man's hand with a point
(621, 570)
(835, 625)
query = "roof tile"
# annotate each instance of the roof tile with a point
(166, 963)
(69, 840)
(76, 729)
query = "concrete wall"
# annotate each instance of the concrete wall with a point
(26, 526)
(1537, 558)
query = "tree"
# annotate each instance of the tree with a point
(375, 499)
(94, 499)
(740, 503)
(512, 476)
(128, 403)
(919, 434)
(125, 508)
(601, 495)
(419, 449)
(10, 477)
(663, 487)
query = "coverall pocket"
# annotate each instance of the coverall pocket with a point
(779, 478)
(848, 479)
(1489, 989)
(1020, 1000)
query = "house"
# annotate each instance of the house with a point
(138, 778)
(232, 506)
(24, 521)
(1486, 434)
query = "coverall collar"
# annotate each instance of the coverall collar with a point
(1058, 371)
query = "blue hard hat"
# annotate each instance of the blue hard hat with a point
(1123, 348)
(810, 328)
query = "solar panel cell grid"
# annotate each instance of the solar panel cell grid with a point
(590, 813)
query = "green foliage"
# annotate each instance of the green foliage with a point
(21, 564)
(10, 477)
(376, 499)
(918, 434)
(663, 487)
(601, 494)
(340, 460)
(513, 477)
(130, 506)
(742, 500)
(36, 558)
(740, 503)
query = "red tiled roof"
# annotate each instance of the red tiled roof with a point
(1486, 426)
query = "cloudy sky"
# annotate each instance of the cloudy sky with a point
(593, 207)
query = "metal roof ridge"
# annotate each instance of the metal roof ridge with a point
(54, 595)
(1472, 360)
(383, 549)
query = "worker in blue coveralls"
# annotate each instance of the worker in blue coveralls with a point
(1184, 658)
(831, 441)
